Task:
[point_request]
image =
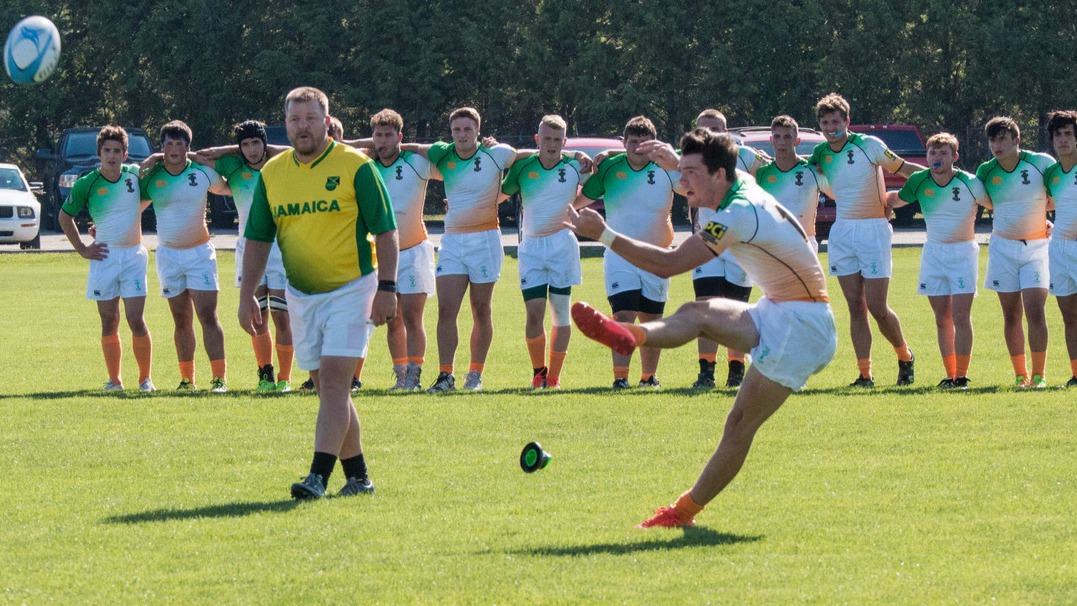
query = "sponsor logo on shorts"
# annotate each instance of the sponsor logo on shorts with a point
(615, 285)
(923, 286)
(994, 283)
(833, 268)
(331, 183)
(874, 268)
(167, 291)
(97, 293)
(763, 354)
(961, 282)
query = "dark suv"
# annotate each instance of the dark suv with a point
(75, 155)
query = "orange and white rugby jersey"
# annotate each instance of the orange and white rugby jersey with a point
(855, 175)
(1062, 187)
(1019, 196)
(471, 185)
(405, 180)
(637, 201)
(797, 189)
(767, 242)
(115, 207)
(180, 203)
(950, 209)
(545, 193)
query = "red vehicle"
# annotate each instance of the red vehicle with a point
(758, 137)
(905, 141)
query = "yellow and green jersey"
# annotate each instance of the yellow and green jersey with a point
(471, 185)
(405, 180)
(949, 209)
(115, 207)
(1062, 187)
(179, 201)
(545, 193)
(855, 175)
(324, 216)
(1019, 196)
(637, 201)
(241, 180)
(797, 189)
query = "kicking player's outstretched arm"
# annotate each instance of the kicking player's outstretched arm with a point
(661, 262)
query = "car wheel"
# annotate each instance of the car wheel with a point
(34, 244)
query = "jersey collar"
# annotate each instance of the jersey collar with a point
(734, 192)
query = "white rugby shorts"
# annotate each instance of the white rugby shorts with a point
(179, 269)
(723, 266)
(274, 277)
(415, 270)
(552, 260)
(1014, 265)
(335, 323)
(860, 246)
(121, 274)
(1063, 267)
(622, 276)
(796, 340)
(477, 255)
(949, 269)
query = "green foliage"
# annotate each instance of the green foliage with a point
(940, 65)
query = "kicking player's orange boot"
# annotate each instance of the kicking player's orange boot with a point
(605, 330)
(666, 517)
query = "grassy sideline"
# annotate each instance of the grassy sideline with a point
(899, 496)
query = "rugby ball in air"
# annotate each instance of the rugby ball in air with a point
(32, 50)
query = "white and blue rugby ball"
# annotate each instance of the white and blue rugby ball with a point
(32, 50)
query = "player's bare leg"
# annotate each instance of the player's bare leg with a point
(482, 330)
(1013, 329)
(876, 291)
(1068, 306)
(1035, 302)
(622, 362)
(205, 306)
(412, 307)
(335, 407)
(852, 287)
(134, 309)
(183, 335)
(109, 311)
(451, 290)
(649, 356)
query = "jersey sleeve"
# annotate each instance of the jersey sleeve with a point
(438, 151)
(1049, 176)
(983, 170)
(226, 166)
(78, 197)
(511, 183)
(214, 177)
(596, 187)
(816, 157)
(1041, 161)
(751, 159)
(823, 183)
(373, 199)
(908, 190)
(976, 186)
(880, 154)
(260, 225)
(420, 164)
(144, 182)
(502, 153)
(727, 227)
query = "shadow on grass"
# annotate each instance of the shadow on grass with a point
(694, 536)
(230, 510)
(134, 394)
(891, 390)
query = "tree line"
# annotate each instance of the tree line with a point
(934, 63)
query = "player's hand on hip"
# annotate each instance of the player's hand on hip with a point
(384, 308)
(250, 315)
(97, 251)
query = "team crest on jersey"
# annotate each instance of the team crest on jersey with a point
(828, 159)
(102, 191)
(712, 231)
(451, 165)
(331, 183)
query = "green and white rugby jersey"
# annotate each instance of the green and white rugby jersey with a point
(115, 207)
(545, 193)
(637, 201)
(241, 179)
(405, 180)
(797, 189)
(855, 175)
(180, 203)
(949, 209)
(1019, 196)
(1062, 187)
(471, 185)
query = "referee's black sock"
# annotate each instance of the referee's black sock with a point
(354, 467)
(322, 465)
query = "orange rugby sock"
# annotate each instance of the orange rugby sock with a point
(950, 364)
(536, 349)
(963, 363)
(557, 362)
(864, 364)
(446, 368)
(620, 372)
(415, 360)
(285, 355)
(113, 351)
(686, 506)
(187, 370)
(359, 369)
(734, 356)
(1019, 367)
(143, 347)
(903, 352)
(219, 368)
(1073, 367)
(476, 367)
(711, 358)
(400, 361)
(1039, 363)
(263, 348)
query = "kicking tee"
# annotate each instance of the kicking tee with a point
(1019, 196)
(545, 193)
(471, 185)
(115, 207)
(405, 180)
(180, 203)
(949, 209)
(637, 202)
(767, 242)
(855, 175)
(797, 189)
(1062, 187)
(241, 180)
(323, 215)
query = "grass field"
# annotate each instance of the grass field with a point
(905, 495)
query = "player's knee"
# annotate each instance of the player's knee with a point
(560, 306)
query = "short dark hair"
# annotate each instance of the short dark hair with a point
(718, 150)
(177, 129)
(466, 112)
(784, 121)
(832, 103)
(640, 126)
(111, 133)
(1058, 119)
(1000, 125)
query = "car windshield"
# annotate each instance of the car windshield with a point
(138, 147)
(901, 142)
(591, 150)
(11, 179)
(85, 145)
(804, 149)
